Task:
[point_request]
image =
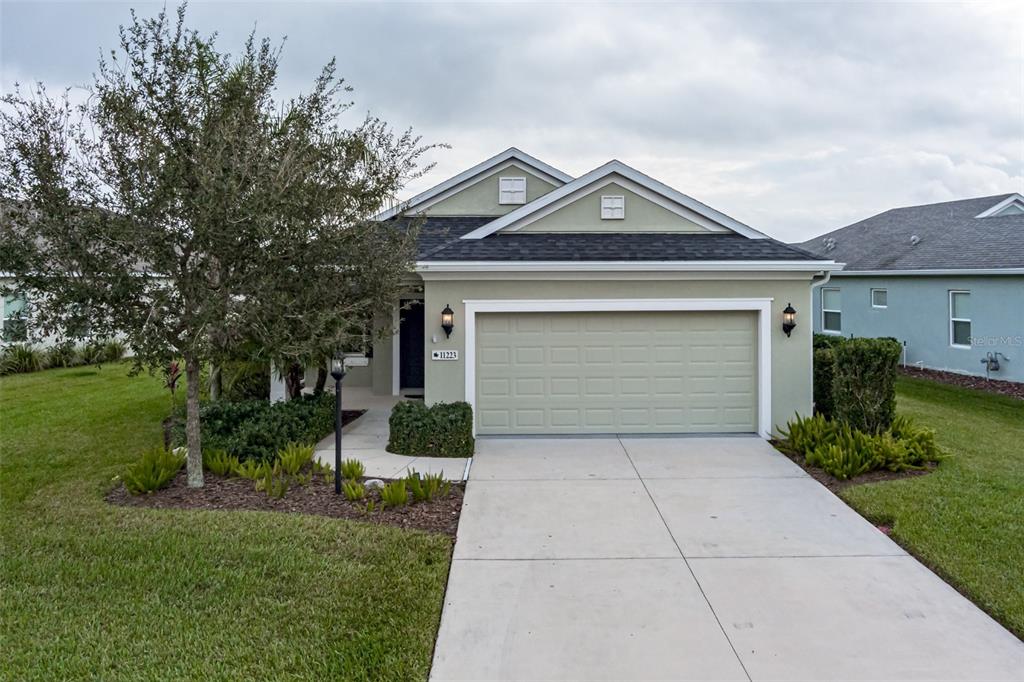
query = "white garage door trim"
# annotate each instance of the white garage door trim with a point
(762, 306)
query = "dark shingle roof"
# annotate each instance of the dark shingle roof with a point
(949, 237)
(439, 241)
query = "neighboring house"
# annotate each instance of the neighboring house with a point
(12, 324)
(608, 303)
(946, 279)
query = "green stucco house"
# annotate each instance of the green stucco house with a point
(946, 280)
(607, 303)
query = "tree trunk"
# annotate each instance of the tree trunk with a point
(194, 464)
(321, 381)
(293, 381)
(216, 383)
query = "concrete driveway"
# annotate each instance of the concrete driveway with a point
(689, 558)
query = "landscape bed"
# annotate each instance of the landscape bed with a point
(835, 485)
(440, 515)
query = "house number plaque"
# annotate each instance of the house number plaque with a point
(444, 355)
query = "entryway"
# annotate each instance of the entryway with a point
(411, 341)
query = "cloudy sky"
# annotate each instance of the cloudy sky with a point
(795, 119)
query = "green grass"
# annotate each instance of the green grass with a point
(88, 590)
(965, 520)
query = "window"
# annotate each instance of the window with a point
(960, 319)
(879, 298)
(511, 190)
(831, 313)
(12, 325)
(613, 207)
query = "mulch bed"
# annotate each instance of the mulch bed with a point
(1014, 389)
(835, 485)
(220, 493)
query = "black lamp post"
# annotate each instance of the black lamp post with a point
(447, 321)
(788, 319)
(338, 373)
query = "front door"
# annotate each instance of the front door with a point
(411, 345)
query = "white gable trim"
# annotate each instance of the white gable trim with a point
(1016, 198)
(465, 178)
(538, 208)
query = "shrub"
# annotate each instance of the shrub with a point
(155, 469)
(91, 353)
(113, 351)
(828, 341)
(252, 469)
(394, 494)
(20, 358)
(426, 487)
(864, 383)
(245, 380)
(845, 452)
(352, 469)
(353, 490)
(62, 355)
(219, 462)
(294, 456)
(442, 430)
(824, 370)
(275, 482)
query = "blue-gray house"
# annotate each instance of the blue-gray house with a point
(945, 279)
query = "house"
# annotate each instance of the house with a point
(607, 303)
(945, 279)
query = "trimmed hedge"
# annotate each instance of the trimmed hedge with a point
(864, 383)
(441, 430)
(258, 429)
(824, 369)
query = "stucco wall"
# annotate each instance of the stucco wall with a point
(918, 314)
(584, 215)
(481, 198)
(791, 357)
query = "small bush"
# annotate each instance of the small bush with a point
(442, 430)
(155, 469)
(91, 353)
(294, 456)
(113, 351)
(63, 355)
(352, 469)
(275, 482)
(353, 491)
(843, 463)
(245, 380)
(219, 462)
(252, 469)
(426, 487)
(864, 383)
(824, 370)
(394, 494)
(21, 358)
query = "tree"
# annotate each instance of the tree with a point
(182, 206)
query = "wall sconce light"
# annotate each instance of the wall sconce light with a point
(788, 319)
(447, 321)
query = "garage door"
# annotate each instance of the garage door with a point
(615, 372)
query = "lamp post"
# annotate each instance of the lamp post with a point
(338, 373)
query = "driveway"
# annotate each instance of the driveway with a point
(689, 558)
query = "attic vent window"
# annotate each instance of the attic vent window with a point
(511, 190)
(613, 207)
(1011, 205)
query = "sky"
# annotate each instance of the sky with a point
(793, 118)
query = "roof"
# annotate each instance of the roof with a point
(466, 177)
(944, 236)
(440, 241)
(672, 199)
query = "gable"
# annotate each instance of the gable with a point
(641, 214)
(481, 196)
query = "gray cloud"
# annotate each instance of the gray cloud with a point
(794, 118)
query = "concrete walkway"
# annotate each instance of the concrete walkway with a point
(366, 438)
(690, 558)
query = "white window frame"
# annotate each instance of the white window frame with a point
(501, 190)
(952, 319)
(608, 211)
(762, 306)
(886, 292)
(824, 329)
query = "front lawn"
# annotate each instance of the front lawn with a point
(966, 519)
(92, 590)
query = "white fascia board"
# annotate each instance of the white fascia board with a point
(1016, 197)
(550, 173)
(932, 273)
(629, 266)
(528, 213)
